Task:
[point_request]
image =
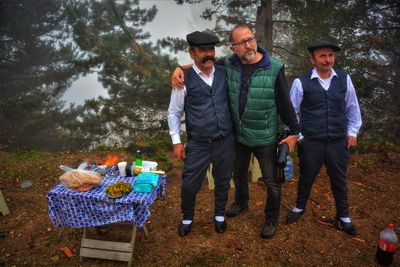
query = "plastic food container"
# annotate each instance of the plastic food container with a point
(150, 165)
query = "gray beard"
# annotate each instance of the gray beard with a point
(249, 58)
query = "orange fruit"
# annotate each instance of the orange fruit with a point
(137, 170)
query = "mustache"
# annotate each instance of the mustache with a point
(252, 50)
(207, 58)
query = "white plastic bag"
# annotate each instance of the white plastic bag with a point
(81, 180)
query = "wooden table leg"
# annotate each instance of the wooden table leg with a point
(146, 232)
(3, 205)
(110, 250)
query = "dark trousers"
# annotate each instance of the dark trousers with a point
(266, 156)
(335, 156)
(199, 155)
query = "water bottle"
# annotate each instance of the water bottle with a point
(386, 246)
(288, 170)
(138, 158)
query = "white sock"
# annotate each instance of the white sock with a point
(219, 218)
(345, 219)
(186, 221)
(297, 210)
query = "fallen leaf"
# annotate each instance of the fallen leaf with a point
(392, 155)
(67, 251)
(323, 223)
(358, 183)
(359, 239)
(259, 203)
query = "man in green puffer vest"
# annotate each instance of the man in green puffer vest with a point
(258, 92)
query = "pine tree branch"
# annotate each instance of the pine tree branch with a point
(135, 45)
(289, 22)
(289, 52)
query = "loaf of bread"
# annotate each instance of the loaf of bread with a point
(80, 179)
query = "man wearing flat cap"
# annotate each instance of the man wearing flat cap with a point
(209, 129)
(327, 108)
(258, 96)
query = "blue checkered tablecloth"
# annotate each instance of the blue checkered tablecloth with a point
(68, 208)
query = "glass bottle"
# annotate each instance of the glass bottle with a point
(138, 158)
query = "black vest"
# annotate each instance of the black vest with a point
(207, 112)
(323, 113)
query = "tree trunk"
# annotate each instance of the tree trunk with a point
(264, 25)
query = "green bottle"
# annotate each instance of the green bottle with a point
(138, 158)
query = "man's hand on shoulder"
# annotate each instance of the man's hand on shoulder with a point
(179, 152)
(178, 77)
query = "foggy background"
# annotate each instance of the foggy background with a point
(84, 74)
(172, 20)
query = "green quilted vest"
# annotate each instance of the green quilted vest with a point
(259, 123)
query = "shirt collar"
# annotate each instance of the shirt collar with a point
(314, 74)
(198, 71)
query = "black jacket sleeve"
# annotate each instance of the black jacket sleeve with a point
(283, 103)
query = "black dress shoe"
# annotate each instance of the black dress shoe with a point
(348, 228)
(236, 209)
(293, 216)
(184, 229)
(220, 227)
(268, 230)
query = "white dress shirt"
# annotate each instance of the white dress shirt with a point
(353, 113)
(177, 105)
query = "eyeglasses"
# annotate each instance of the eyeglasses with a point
(249, 41)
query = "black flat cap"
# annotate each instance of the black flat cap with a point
(322, 44)
(201, 39)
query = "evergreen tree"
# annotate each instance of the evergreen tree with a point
(369, 34)
(46, 44)
(35, 71)
(135, 73)
(367, 31)
(270, 27)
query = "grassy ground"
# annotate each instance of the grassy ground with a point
(374, 198)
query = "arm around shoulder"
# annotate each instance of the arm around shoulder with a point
(178, 76)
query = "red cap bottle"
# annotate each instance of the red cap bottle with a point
(386, 245)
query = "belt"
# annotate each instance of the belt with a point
(215, 139)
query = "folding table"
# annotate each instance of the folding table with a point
(74, 209)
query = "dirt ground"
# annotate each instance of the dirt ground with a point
(374, 182)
